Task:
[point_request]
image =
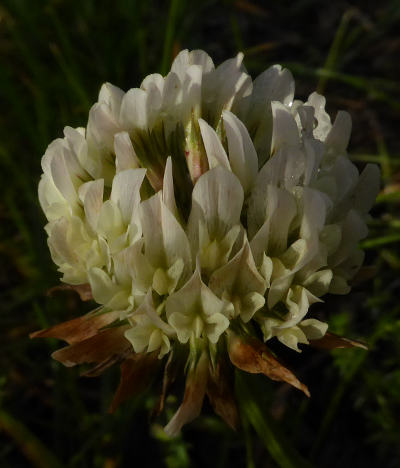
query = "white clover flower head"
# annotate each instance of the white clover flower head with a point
(204, 208)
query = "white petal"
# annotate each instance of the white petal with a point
(290, 337)
(172, 92)
(134, 109)
(314, 213)
(339, 135)
(191, 92)
(91, 194)
(62, 177)
(112, 96)
(168, 196)
(317, 101)
(154, 80)
(125, 154)
(313, 329)
(281, 220)
(285, 131)
(153, 85)
(195, 309)
(125, 191)
(51, 201)
(216, 154)
(239, 276)
(228, 81)
(165, 240)
(110, 223)
(240, 280)
(217, 201)
(103, 288)
(58, 241)
(353, 230)
(274, 84)
(367, 188)
(242, 154)
(318, 283)
(102, 126)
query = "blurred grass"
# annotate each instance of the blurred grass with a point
(54, 55)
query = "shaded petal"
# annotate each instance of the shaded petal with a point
(168, 196)
(125, 156)
(165, 239)
(133, 112)
(313, 329)
(242, 154)
(217, 201)
(125, 191)
(91, 194)
(285, 131)
(216, 154)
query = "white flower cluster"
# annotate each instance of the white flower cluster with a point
(204, 200)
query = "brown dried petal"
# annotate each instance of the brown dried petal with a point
(84, 290)
(78, 329)
(170, 372)
(106, 344)
(254, 357)
(195, 390)
(332, 341)
(98, 369)
(136, 372)
(221, 396)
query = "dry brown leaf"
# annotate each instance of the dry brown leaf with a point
(104, 345)
(254, 357)
(221, 395)
(84, 290)
(332, 341)
(78, 329)
(136, 372)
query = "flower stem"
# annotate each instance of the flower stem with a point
(32, 447)
(279, 448)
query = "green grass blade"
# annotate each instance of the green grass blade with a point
(32, 447)
(174, 9)
(279, 448)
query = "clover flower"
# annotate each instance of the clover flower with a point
(203, 212)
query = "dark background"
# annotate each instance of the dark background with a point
(54, 56)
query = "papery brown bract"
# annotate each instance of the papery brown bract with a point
(220, 392)
(104, 345)
(251, 355)
(195, 389)
(136, 373)
(78, 329)
(332, 341)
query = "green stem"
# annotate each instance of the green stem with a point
(169, 35)
(32, 447)
(280, 449)
(334, 52)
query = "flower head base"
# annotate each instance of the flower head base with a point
(204, 208)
